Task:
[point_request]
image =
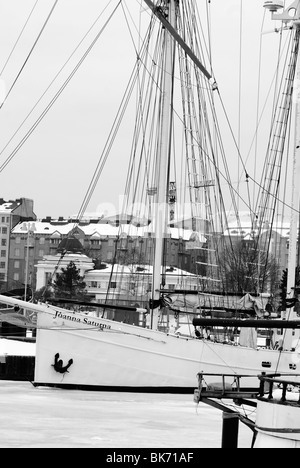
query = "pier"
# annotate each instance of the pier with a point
(215, 394)
(17, 368)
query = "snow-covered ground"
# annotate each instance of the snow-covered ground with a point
(16, 348)
(49, 418)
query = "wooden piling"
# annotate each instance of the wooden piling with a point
(230, 431)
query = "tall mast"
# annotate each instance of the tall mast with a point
(163, 157)
(293, 257)
(294, 231)
(292, 14)
(166, 12)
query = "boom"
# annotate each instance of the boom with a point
(161, 16)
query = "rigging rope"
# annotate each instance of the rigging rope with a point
(240, 93)
(248, 176)
(30, 52)
(134, 78)
(18, 39)
(57, 95)
(258, 106)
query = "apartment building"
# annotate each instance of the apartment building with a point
(33, 244)
(12, 212)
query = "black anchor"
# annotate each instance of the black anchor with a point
(59, 365)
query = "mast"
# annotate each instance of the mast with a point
(292, 263)
(294, 231)
(292, 14)
(158, 11)
(163, 157)
(166, 12)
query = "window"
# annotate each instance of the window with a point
(3, 253)
(123, 244)
(42, 240)
(17, 252)
(113, 285)
(16, 276)
(4, 242)
(16, 264)
(2, 265)
(2, 276)
(41, 253)
(48, 278)
(94, 284)
(95, 242)
(4, 230)
(3, 219)
(18, 240)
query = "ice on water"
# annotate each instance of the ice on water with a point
(52, 418)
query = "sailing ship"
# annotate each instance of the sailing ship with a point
(277, 416)
(77, 349)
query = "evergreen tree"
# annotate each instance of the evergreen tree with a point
(283, 286)
(69, 284)
(44, 294)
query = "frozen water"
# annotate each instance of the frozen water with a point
(44, 418)
(51, 418)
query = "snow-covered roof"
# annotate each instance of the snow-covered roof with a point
(8, 207)
(249, 233)
(243, 226)
(102, 230)
(137, 269)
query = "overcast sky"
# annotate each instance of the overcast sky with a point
(55, 164)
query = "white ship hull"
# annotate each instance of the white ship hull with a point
(277, 425)
(111, 355)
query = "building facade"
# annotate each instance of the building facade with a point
(12, 213)
(34, 243)
(26, 243)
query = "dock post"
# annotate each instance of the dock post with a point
(230, 432)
